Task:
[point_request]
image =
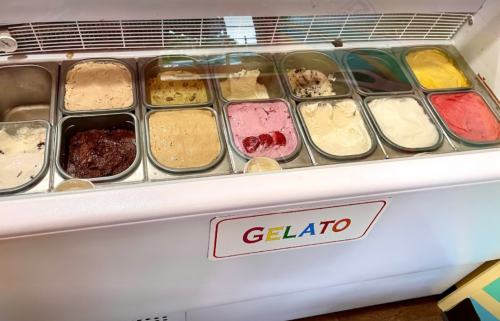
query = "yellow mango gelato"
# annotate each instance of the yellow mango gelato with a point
(434, 70)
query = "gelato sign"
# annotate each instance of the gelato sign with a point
(235, 236)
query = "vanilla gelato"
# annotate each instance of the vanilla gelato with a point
(176, 87)
(243, 85)
(337, 127)
(404, 122)
(94, 85)
(21, 156)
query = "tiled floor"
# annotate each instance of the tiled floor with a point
(423, 309)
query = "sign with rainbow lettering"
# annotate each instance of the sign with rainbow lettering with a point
(234, 236)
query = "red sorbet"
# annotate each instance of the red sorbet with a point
(468, 116)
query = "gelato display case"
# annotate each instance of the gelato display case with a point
(266, 162)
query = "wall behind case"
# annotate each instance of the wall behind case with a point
(60, 10)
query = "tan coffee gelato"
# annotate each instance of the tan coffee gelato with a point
(94, 85)
(184, 138)
(337, 127)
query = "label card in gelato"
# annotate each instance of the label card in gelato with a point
(234, 236)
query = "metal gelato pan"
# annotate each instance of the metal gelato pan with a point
(28, 92)
(451, 132)
(11, 128)
(155, 66)
(328, 155)
(183, 170)
(395, 146)
(235, 62)
(315, 60)
(66, 67)
(376, 72)
(242, 155)
(451, 57)
(71, 125)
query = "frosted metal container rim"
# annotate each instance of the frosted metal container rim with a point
(217, 81)
(245, 157)
(451, 132)
(305, 52)
(448, 54)
(62, 89)
(195, 64)
(105, 179)
(367, 94)
(46, 158)
(332, 156)
(184, 170)
(392, 144)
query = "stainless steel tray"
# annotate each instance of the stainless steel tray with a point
(389, 142)
(235, 149)
(13, 127)
(66, 66)
(70, 125)
(154, 66)
(28, 92)
(314, 60)
(328, 155)
(222, 66)
(454, 59)
(153, 160)
(451, 132)
(343, 56)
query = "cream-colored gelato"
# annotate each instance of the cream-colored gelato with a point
(189, 89)
(94, 85)
(21, 156)
(243, 85)
(404, 122)
(310, 83)
(184, 138)
(337, 128)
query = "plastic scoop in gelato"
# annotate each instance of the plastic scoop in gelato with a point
(262, 164)
(21, 156)
(404, 122)
(184, 138)
(178, 87)
(468, 116)
(337, 128)
(310, 83)
(377, 72)
(101, 152)
(435, 70)
(74, 184)
(262, 129)
(94, 85)
(243, 85)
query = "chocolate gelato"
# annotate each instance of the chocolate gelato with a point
(101, 152)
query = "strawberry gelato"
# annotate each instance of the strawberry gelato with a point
(262, 129)
(468, 116)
